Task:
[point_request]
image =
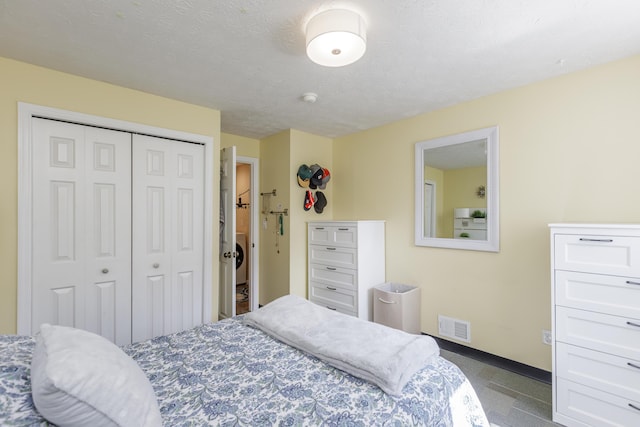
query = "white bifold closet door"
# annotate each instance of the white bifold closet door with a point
(117, 231)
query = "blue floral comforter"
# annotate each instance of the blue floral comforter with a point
(229, 374)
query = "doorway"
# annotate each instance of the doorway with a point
(246, 205)
(243, 208)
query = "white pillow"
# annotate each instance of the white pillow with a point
(81, 379)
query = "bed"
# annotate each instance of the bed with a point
(231, 373)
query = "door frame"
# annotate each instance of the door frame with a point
(26, 112)
(432, 214)
(254, 242)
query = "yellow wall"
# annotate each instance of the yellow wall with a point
(306, 149)
(281, 155)
(460, 186)
(569, 149)
(274, 248)
(20, 82)
(246, 147)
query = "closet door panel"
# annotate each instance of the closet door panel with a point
(151, 262)
(153, 311)
(167, 235)
(101, 301)
(187, 229)
(82, 229)
(108, 233)
(58, 218)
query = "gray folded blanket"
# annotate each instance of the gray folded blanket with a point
(384, 356)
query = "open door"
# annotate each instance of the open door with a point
(227, 233)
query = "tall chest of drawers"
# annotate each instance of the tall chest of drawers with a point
(346, 260)
(595, 275)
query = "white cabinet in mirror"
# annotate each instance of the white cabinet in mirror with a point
(456, 191)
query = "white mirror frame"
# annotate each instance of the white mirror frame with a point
(492, 244)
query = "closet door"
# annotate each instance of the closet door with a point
(81, 233)
(168, 226)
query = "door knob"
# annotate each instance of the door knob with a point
(156, 265)
(105, 270)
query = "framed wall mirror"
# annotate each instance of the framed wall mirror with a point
(456, 191)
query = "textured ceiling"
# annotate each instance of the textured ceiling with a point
(247, 59)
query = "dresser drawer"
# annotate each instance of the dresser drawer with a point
(470, 234)
(619, 296)
(593, 407)
(470, 223)
(617, 255)
(333, 298)
(615, 375)
(333, 235)
(602, 332)
(335, 256)
(336, 276)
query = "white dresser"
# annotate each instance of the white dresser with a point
(467, 227)
(346, 260)
(595, 273)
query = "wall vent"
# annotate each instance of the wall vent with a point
(454, 328)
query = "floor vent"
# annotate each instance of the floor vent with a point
(454, 328)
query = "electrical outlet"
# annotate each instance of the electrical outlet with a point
(546, 337)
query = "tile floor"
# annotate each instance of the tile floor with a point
(508, 399)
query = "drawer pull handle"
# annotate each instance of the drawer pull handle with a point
(331, 268)
(584, 239)
(633, 365)
(331, 289)
(637, 408)
(385, 301)
(319, 228)
(631, 282)
(637, 325)
(331, 308)
(333, 249)
(343, 229)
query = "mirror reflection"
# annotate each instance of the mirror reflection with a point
(456, 191)
(453, 205)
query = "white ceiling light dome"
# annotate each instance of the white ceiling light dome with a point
(336, 37)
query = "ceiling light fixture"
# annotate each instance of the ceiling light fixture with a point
(336, 37)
